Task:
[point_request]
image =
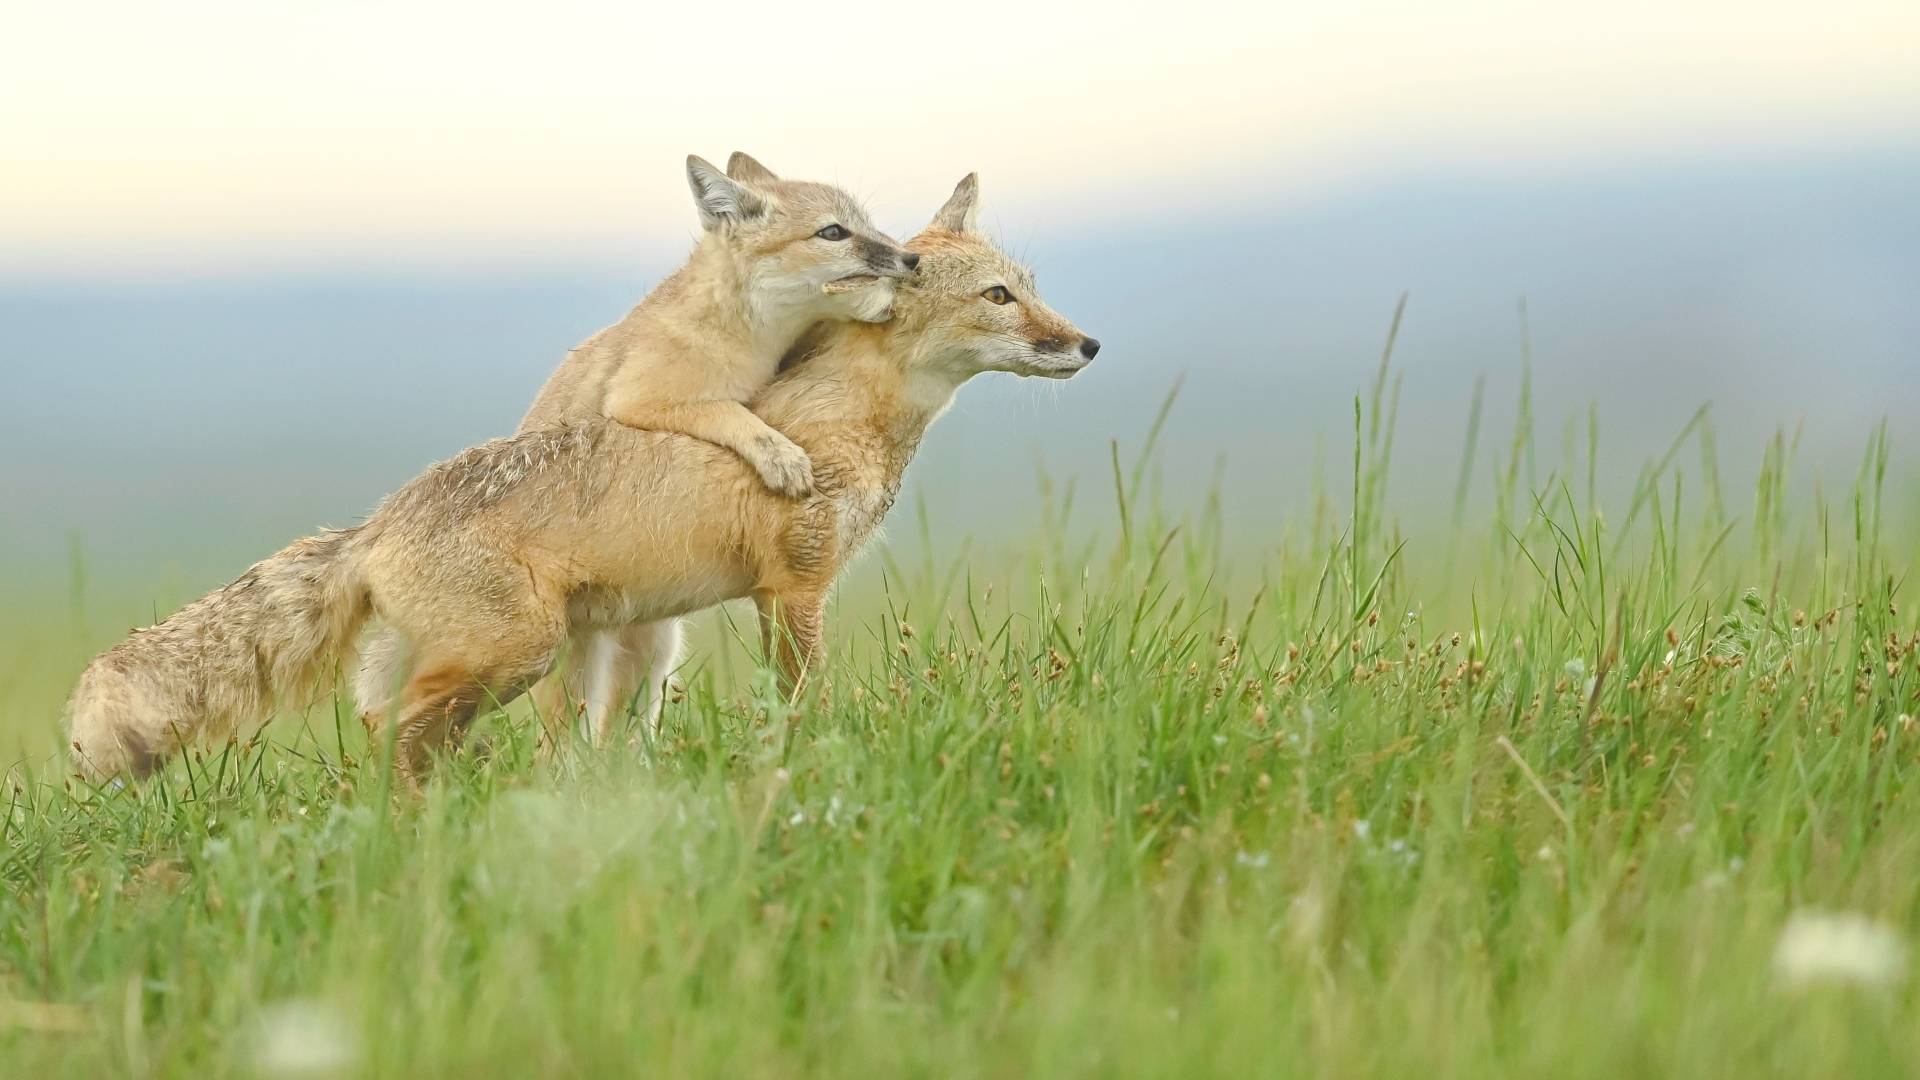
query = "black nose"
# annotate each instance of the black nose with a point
(1088, 347)
(912, 261)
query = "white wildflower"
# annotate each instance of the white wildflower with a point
(1306, 919)
(303, 1038)
(1821, 946)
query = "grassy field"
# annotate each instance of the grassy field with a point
(1552, 789)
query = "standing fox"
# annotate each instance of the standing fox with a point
(775, 258)
(489, 560)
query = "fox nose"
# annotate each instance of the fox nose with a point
(1088, 347)
(912, 261)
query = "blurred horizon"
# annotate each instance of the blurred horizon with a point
(219, 135)
(257, 268)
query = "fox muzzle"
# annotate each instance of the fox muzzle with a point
(885, 259)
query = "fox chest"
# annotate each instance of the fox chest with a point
(821, 541)
(857, 519)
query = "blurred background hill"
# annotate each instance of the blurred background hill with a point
(260, 266)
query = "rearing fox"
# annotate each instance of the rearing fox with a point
(488, 561)
(775, 257)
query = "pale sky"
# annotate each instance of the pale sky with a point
(210, 134)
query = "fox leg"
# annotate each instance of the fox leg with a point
(556, 699)
(612, 666)
(443, 696)
(438, 701)
(605, 668)
(648, 654)
(792, 625)
(560, 699)
(603, 690)
(782, 465)
(384, 665)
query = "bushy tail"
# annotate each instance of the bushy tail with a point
(221, 662)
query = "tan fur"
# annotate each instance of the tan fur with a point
(696, 350)
(221, 662)
(687, 360)
(487, 562)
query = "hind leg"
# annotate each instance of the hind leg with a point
(385, 662)
(437, 703)
(445, 693)
(560, 699)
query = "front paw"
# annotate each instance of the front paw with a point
(783, 466)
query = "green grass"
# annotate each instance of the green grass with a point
(1533, 794)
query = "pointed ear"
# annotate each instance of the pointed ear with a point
(962, 211)
(720, 199)
(743, 168)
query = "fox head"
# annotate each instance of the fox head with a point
(971, 308)
(806, 251)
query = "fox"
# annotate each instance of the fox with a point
(488, 561)
(776, 258)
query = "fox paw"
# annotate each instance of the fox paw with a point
(783, 466)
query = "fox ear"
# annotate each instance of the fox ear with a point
(720, 199)
(962, 211)
(743, 168)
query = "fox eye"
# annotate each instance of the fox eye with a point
(998, 295)
(833, 232)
